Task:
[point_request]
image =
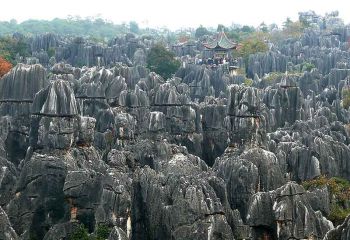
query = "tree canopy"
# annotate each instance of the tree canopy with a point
(253, 44)
(162, 61)
(10, 47)
(201, 31)
(94, 27)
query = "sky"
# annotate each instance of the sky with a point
(173, 14)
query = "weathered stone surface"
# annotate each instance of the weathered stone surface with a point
(341, 232)
(57, 100)
(6, 231)
(86, 128)
(61, 230)
(8, 179)
(285, 213)
(199, 206)
(34, 208)
(117, 234)
(18, 88)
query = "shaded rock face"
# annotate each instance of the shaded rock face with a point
(44, 42)
(62, 230)
(106, 203)
(262, 63)
(157, 200)
(204, 81)
(6, 231)
(289, 213)
(341, 232)
(40, 206)
(8, 179)
(17, 92)
(247, 173)
(285, 104)
(81, 52)
(54, 109)
(215, 136)
(23, 82)
(86, 126)
(244, 120)
(57, 100)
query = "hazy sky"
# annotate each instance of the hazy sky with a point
(175, 13)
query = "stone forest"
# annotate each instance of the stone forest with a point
(98, 141)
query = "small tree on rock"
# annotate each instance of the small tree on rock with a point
(201, 31)
(162, 61)
(5, 66)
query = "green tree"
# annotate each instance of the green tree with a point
(80, 233)
(287, 23)
(247, 29)
(102, 232)
(346, 98)
(10, 47)
(339, 190)
(201, 31)
(306, 66)
(263, 27)
(221, 27)
(134, 27)
(253, 44)
(162, 61)
(51, 52)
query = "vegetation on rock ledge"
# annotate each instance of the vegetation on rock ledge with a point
(339, 196)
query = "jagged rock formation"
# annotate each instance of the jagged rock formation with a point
(286, 213)
(6, 230)
(341, 232)
(93, 137)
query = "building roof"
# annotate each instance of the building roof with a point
(221, 42)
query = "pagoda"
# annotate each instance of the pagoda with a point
(220, 45)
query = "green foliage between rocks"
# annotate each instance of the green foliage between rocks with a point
(10, 47)
(162, 61)
(81, 233)
(102, 232)
(346, 98)
(248, 82)
(254, 44)
(306, 66)
(339, 189)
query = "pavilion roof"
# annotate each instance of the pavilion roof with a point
(221, 42)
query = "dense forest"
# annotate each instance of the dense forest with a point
(94, 27)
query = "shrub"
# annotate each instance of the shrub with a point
(51, 52)
(306, 66)
(162, 61)
(102, 232)
(80, 233)
(248, 82)
(273, 76)
(340, 196)
(5, 66)
(254, 44)
(201, 31)
(346, 97)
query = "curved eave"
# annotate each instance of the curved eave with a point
(217, 47)
(221, 43)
